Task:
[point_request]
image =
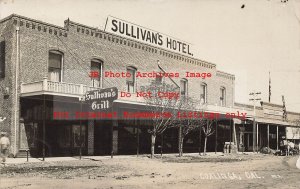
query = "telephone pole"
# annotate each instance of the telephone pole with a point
(254, 98)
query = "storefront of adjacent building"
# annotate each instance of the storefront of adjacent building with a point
(269, 128)
(46, 70)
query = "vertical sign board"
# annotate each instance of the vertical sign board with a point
(102, 99)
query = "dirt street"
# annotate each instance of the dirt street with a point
(193, 171)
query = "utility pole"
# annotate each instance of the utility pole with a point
(284, 115)
(254, 98)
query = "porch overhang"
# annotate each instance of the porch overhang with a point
(46, 87)
(272, 122)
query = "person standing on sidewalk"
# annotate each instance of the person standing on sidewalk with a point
(4, 145)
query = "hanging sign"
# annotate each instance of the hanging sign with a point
(101, 99)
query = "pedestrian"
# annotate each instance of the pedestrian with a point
(283, 146)
(4, 145)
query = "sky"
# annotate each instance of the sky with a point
(248, 42)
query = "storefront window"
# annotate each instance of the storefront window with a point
(64, 136)
(32, 134)
(76, 135)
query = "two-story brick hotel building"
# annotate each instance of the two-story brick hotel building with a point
(45, 69)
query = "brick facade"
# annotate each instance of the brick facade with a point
(7, 33)
(79, 44)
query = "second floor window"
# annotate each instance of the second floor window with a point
(96, 73)
(2, 59)
(222, 96)
(203, 92)
(55, 66)
(130, 81)
(183, 87)
(158, 80)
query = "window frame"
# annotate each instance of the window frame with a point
(100, 62)
(134, 69)
(159, 80)
(61, 63)
(185, 85)
(205, 91)
(222, 98)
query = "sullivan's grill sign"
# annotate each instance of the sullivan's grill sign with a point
(129, 30)
(101, 99)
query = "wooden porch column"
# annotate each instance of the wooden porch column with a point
(234, 134)
(257, 137)
(114, 138)
(254, 136)
(268, 133)
(44, 127)
(138, 140)
(200, 133)
(216, 139)
(234, 137)
(230, 136)
(91, 136)
(277, 137)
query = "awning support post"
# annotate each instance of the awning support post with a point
(268, 133)
(277, 137)
(257, 137)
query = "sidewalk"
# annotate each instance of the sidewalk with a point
(97, 158)
(30, 160)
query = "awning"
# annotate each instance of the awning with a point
(272, 121)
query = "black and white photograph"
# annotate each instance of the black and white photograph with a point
(111, 94)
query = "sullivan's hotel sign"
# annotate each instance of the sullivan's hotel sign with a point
(145, 35)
